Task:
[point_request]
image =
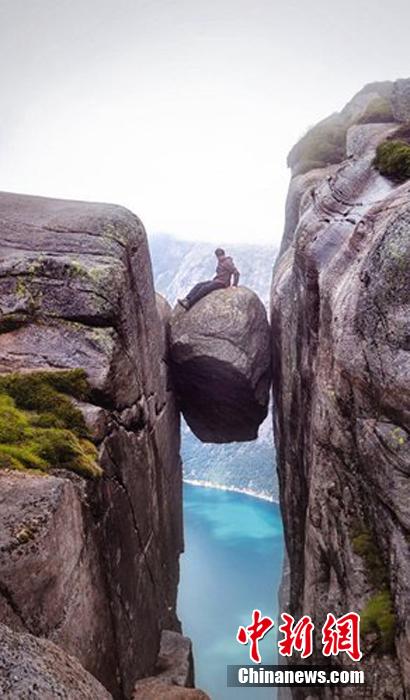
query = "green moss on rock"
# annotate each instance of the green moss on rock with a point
(46, 394)
(393, 160)
(40, 428)
(378, 617)
(365, 546)
(13, 423)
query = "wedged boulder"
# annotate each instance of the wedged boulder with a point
(37, 669)
(221, 365)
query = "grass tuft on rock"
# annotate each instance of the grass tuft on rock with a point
(40, 427)
(378, 615)
(364, 546)
(393, 160)
(47, 394)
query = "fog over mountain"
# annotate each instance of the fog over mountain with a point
(178, 265)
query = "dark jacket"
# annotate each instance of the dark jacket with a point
(224, 271)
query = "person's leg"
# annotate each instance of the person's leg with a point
(202, 289)
(195, 290)
(192, 297)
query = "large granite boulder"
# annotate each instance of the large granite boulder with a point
(91, 564)
(37, 669)
(340, 329)
(221, 364)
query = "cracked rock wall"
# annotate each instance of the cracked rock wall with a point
(99, 572)
(340, 328)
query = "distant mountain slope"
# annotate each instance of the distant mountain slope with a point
(178, 265)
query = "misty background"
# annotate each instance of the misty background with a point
(181, 110)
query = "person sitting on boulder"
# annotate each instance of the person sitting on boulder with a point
(226, 274)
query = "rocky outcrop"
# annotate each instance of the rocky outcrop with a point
(175, 663)
(340, 328)
(91, 564)
(173, 674)
(33, 668)
(220, 356)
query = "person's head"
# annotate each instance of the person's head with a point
(220, 253)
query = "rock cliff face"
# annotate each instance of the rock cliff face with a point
(220, 355)
(340, 328)
(91, 564)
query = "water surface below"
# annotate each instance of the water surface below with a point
(232, 564)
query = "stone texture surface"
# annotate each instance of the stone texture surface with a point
(174, 676)
(220, 355)
(155, 689)
(100, 570)
(340, 328)
(37, 669)
(52, 578)
(401, 99)
(175, 662)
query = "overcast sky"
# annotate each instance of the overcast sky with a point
(182, 110)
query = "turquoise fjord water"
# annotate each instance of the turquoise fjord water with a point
(232, 564)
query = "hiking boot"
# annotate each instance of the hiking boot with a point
(184, 303)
